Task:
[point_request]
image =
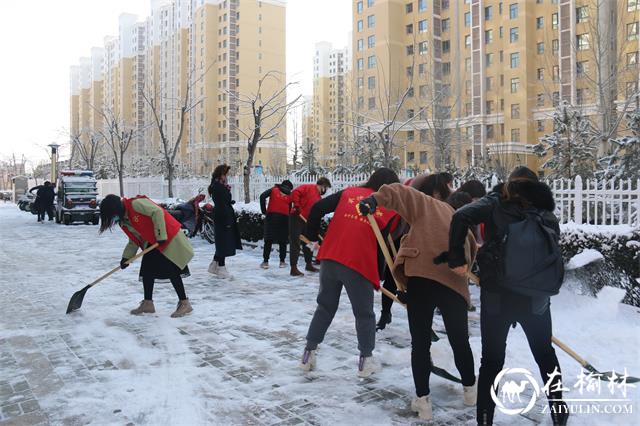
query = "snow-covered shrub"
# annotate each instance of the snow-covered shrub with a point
(621, 264)
(251, 222)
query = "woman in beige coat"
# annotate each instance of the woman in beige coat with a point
(429, 286)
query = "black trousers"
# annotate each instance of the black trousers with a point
(389, 284)
(423, 296)
(45, 209)
(266, 253)
(177, 283)
(296, 228)
(497, 313)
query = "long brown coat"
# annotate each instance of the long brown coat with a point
(428, 236)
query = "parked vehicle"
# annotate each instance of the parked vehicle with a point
(25, 202)
(77, 198)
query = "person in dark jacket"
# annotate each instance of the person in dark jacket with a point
(227, 235)
(276, 221)
(501, 308)
(190, 215)
(45, 196)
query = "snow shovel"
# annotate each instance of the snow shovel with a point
(438, 371)
(76, 300)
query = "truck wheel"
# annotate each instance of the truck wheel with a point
(95, 220)
(66, 219)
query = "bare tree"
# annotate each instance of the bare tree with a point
(296, 147)
(87, 151)
(267, 111)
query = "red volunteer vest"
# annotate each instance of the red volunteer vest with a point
(350, 240)
(144, 225)
(304, 197)
(278, 202)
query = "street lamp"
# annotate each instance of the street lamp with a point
(54, 162)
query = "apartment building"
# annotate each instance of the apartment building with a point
(477, 80)
(328, 127)
(190, 55)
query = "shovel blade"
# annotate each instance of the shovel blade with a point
(76, 300)
(607, 374)
(438, 371)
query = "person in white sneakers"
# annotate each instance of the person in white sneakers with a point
(227, 237)
(428, 285)
(349, 259)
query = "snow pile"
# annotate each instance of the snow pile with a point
(584, 258)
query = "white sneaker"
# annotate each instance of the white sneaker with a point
(223, 273)
(213, 267)
(283, 264)
(308, 361)
(367, 366)
(470, 395)
(422, 406)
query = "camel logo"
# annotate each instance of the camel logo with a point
(512, 391)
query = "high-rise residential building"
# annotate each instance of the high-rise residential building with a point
(327, 129)
(196, 56)
(458, 83)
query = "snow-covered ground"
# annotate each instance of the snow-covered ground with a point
(234, 360)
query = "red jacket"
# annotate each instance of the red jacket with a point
(304, 197)
(350, 240)
(144, 225)
(279, 202)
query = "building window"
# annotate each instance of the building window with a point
(540, 22)
(422, 5)
(409, 29)
(555, 46)
(423, 157)
(556, 99)
(489, 107)
(501, 32)
(540, 73)
(370, 3)
(360, 63)
(488, 36)
(467, 41)
(372, 103)
(445, 4)
(540, 48)
(490, 131)
(371, 83)
(360, 26)
(488, 59)
(513, 34)
(633, 5)
(513, 11)
(540, 100)
(445, 23)
(554, 21)
(422, 26)
(631, 89)
(371, 21)
(411, 135)
(359, 7)
(515, 135)
(632, 59)
(582, 41)
(467, 19)
(467, 64)
(371, 42)
(422, 91)
(360, 82)
(488, 83)
(632, 30)
(515, 60)
(446, 46)
(582, 14)
(409, 71)
(446, 68)
(556, 73)
(515, 84)
(422, 69)
(488, 13)
(515, 110)
(541, 125)
(581, 68)
(411, 156)
(410, 50)
(422, 48)
(360, 45)
(580, 96)
(408, 7)
(371, 62)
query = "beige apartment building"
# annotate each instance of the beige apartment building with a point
(192, 55)
(477, 80)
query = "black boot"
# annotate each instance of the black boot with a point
(559, 413)
(385, 318)
(485, 417)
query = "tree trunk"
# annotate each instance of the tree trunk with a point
(121, 181)
(247, 174)
(170, 173)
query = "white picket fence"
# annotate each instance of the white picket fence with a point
(597, 202)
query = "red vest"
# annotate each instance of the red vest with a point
(350, 240)
(278, 202)
(304, 197)
(144, 225)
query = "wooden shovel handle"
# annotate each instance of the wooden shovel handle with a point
(569, 351)
(305, 221)
(387, 257)
(128, 262)
(392, 245)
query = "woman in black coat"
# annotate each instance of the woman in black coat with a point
(500, 307)
(45, 196)
(227, 235)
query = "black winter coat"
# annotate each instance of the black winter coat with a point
(225, 225)
(496, 214)
(276, 225)
(44, 195)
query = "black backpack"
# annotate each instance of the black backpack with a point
(529, 261)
